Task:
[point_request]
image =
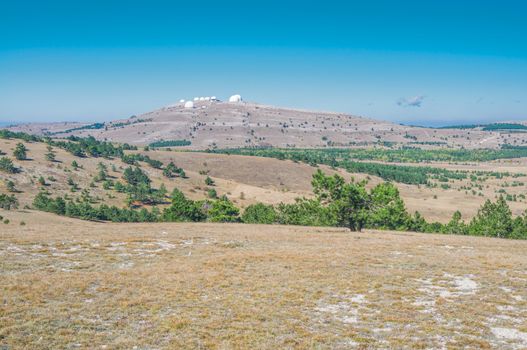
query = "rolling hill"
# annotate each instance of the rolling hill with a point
(215, 124)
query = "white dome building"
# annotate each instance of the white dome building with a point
(196, 98)
(235, 98)
(189, 104)
(181, 101)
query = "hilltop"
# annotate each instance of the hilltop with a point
(216, 124)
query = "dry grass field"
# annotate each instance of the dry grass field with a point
(69, 284)
(283, 180)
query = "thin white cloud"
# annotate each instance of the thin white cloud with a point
(415, 101)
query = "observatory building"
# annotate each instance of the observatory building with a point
(235, 98)
(189, 104)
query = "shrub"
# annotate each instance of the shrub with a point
(172, 170)
(8, 202)
(306, 212)
(50, 155)
(211, 192)
(223, 210)
(183, 209)
(6, 165)
(10, 185)
(209, 181)
(259, 214)
(42, 181)
(20, 151)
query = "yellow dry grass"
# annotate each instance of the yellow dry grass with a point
(72, 284)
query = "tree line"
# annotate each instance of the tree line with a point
(336, 203)
(404, 154)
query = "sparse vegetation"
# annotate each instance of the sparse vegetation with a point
(20, 151)
(8, 202)
(209, 181)
(7, 166)
(171, 170)
(50, 155)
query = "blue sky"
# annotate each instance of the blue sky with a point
(426, 62)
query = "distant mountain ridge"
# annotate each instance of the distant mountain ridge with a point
(216, 124)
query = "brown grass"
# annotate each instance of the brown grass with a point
(73, 284)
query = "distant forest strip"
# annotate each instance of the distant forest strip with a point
(170, 143)
(488, 127)
(402, 155)
(93, 126)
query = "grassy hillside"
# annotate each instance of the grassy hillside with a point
(220, 286)
(232, 125)
(246, 180)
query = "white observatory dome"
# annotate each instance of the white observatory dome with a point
(235, 98)
(181, 101)
(196, 98)
(189, 104)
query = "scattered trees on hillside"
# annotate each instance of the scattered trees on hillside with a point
(102, 172)
(8, 202)
(139, 188)
(50, 155)
(10, 185)
(134, 159)
(336, 202)
(7, 166)
(20, 151)
(171, 170)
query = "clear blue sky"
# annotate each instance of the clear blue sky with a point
(429, 62)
